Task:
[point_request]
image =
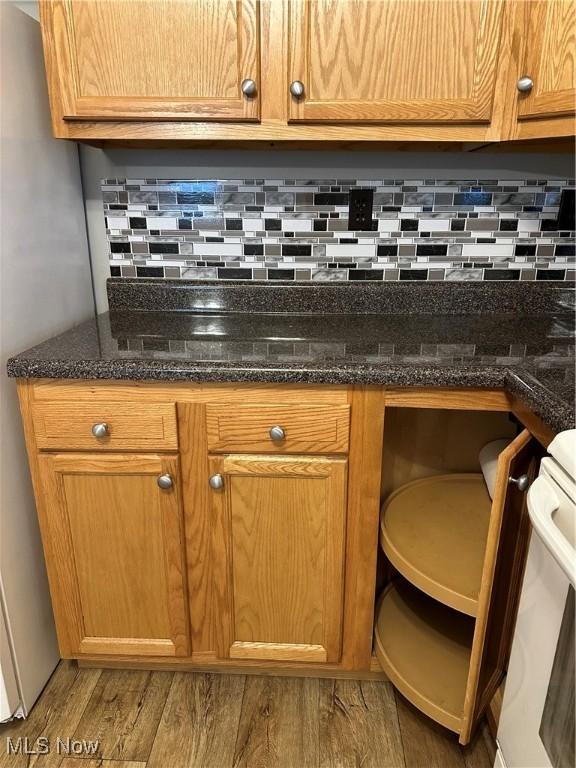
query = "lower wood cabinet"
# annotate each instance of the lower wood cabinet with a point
(278, 552)
(114, 546)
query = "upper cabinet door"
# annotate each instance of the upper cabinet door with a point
(549, 59)
(394, 61)
(152, 59)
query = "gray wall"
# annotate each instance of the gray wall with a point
(45, 288)
(194, 164)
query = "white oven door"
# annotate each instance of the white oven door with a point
(536, 727)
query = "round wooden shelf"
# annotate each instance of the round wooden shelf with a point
(424, 648)
(434, 532)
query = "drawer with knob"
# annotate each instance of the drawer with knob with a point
(105, 426)
(277, 428)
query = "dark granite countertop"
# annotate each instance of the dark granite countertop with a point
(531, 355)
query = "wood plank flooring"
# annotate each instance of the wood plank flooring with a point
(195, 720)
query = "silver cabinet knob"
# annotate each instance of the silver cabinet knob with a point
(277, 433)
(525, 84)
(100, 430)
(216, 482)
(297, 89)
(165, 482)
(521, 482)
(249, 87)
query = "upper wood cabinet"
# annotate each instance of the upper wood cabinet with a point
(549, 59)
(365, 70)
(116, 561)
(279, 528)
(395, 61)
(151, 59)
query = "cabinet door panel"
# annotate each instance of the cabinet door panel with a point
(121, 553)
(550, 59)
(152, 59)
(279, 556)
(394, 61)
(502, 573)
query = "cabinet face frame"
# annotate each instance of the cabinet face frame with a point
(65, 568)
(475, 109)
(69, 104)
(230, 558)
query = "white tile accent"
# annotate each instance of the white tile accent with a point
(117, 222)
(296, 225)
(346, 249)
(434, 225)
(487, 249)
(162, 222)
(217, 249)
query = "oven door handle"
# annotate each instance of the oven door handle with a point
(542, 503)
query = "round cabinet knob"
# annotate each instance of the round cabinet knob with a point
(249, 88)
(165, 482)
(297, 89)
(525, 84)
(277, 433)
(521, 482)
(100, 430)
(216, 482)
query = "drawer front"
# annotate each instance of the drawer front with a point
(128, 426)
(305, 429)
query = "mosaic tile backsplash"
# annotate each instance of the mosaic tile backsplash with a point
(280, 229)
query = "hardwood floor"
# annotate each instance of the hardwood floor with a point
(195, 720)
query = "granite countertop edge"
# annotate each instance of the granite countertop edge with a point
(553, 411)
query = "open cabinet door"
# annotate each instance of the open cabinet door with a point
(502, 574)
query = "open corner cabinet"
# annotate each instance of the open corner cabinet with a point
(454, 560)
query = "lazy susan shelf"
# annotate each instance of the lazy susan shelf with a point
(424, 648)
(434, 532)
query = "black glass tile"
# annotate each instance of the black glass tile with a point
(408, 225)
(150, 271)
(524, 250)
(251, 249)
(227, 273)
(387, 250)
(281, 274)
(233, 224)
(550, 274)
(163, 247)
(272, 225)
(115, 271)
(119, 247)
(184, 224)
(365, 274)
(331, 198)
(508, 225)
(413, 274)
(432, 250)
(296, 250)
(502, 274)
(457, 225)
(320, 225)
(565, 250)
